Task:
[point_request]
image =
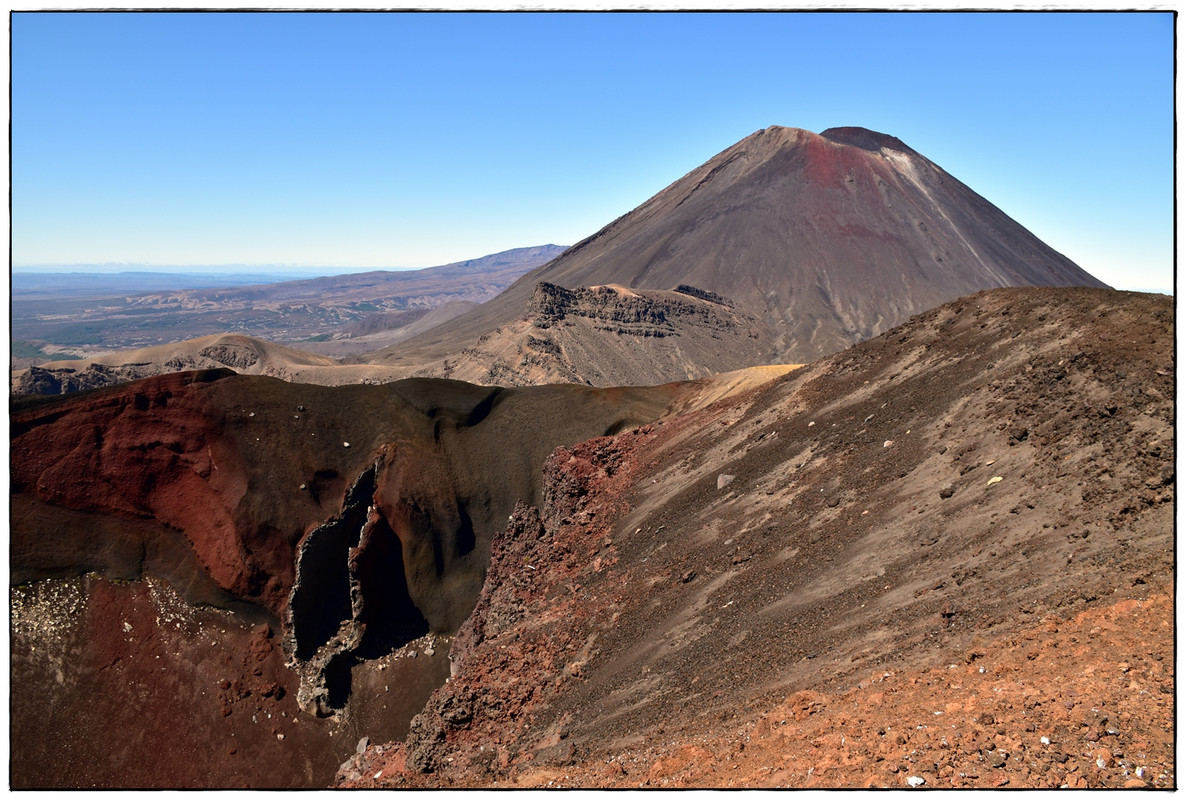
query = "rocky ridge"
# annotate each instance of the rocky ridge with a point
(943, 558)
(611, 336)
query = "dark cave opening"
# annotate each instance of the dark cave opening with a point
(389, 617)
(338, 679)
(320, 600)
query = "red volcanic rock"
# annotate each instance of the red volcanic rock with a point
(236, 470)
(351, 520)
(153, 454)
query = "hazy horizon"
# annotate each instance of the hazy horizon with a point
(298, 141)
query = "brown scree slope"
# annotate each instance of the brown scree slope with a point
(945, 554)
(641, 601)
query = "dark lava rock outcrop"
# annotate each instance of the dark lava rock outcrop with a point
(612, 336)
(825, 239)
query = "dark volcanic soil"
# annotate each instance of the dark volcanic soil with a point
(124, 684)
(945, 554)
(182, 697)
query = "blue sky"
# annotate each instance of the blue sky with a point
(405, 140)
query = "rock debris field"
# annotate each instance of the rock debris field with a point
(941, 558)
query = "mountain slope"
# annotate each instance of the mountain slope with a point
(828, 239)
(786, 560)
(905, 538)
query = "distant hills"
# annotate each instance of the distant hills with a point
(74, 280)
(132, 310)
(786, 247)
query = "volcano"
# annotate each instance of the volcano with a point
(815, 242)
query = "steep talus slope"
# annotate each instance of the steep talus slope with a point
(349, 520)
(828, 239)
(942, 513)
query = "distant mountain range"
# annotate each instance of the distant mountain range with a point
(71, 281)
(132, 310)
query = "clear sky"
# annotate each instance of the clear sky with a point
(414, 139)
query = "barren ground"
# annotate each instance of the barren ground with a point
(945, 555)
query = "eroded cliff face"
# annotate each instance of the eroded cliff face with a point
(612, 336)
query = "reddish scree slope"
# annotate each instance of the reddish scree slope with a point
(945, 554)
